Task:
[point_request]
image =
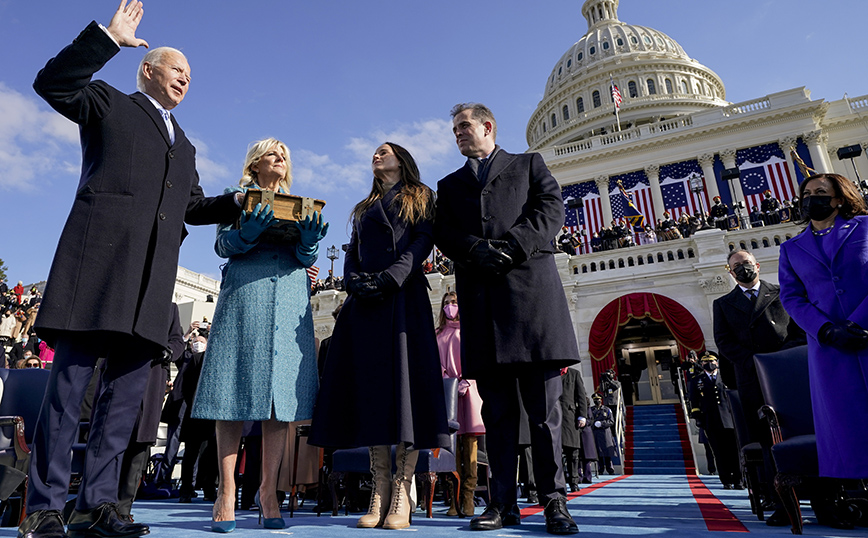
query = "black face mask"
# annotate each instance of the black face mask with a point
(817, 207)
(709, 366)
(745, 273)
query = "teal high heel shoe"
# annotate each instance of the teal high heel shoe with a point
(223, 527)
(270, 522)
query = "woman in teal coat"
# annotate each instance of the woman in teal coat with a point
(260, 363)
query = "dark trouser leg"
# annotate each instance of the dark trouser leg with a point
(134, 462)
(573, 472)
(500, 414)
(115, 410)
(57, 426)
(192, 447)
(170, 454)
(540, 394)
(725, 451)
(206, 471)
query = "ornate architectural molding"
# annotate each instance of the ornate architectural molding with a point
(706, 159)
(602, 182)
(815, 137)
(713, 286)
(728, 153)
(652, 169)
(786, 143)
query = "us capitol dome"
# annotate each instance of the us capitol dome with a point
(656, 78)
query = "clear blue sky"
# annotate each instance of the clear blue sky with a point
(335, 78)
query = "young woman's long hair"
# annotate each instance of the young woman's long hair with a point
(415, 201)
(442, 319)
(853, 202)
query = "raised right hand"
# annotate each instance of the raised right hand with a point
(253, 223)
(124, 23)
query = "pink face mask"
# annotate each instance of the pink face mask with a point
(451, 310)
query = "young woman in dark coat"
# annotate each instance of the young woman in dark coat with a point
(381, 382)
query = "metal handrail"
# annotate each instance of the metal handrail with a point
(682, 390)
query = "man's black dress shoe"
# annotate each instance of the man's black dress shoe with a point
(496, 516)
(738, 486)
(558, 518)
(42, 524)
(103, 522)
(728, 486)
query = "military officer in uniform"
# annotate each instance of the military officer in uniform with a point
(602, 421)
(770, 207)
(718, 213)
(712, 411)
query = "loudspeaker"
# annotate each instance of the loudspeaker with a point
(575, 203)
(849, 152)
(729, 174)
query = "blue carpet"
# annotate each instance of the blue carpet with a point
(638, 505)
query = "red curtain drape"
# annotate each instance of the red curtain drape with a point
(619, 312)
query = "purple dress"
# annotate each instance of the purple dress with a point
(825, 278)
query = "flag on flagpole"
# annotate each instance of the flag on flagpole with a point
(616, 94)
(631, 214)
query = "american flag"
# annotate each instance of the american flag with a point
(312, 272)
(675, 187)
(762, 168)
(616, 94)
(590, 217)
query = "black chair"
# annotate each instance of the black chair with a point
(750, 455)
(431, 463)
(783, 376)
(23, 391)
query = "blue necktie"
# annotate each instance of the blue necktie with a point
(169, 126)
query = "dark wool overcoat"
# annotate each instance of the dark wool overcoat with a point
(381, 381)
(574, 404)
(743, 328)
(115, 265)
(520, 317)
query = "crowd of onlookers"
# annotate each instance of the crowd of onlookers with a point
(18, 309)
(621, 234)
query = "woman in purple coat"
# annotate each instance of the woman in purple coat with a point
(824, 286)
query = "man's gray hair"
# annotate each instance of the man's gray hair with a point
(153, 57)
(481, 113)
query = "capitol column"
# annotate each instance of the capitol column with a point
(652, 172)
(728, 158)
(603, 186)
(816, 142)
(706, 161)
(785, 144)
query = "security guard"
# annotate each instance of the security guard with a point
(712, 411)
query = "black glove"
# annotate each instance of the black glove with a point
(847, 336)
(490, 259)
(383, 282)
(360, 286)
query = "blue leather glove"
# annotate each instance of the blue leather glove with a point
(253, 223)
(312, 230)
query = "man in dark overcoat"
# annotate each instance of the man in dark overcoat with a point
(748, 320)
(111, 281)
(496, 217)
(712, 411)
(577, 437)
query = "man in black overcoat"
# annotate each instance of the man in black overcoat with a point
(748, 320)
(111, 281)
(495, 219)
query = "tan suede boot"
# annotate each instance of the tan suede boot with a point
(381, 468)
(400, 509)
(469, 446)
